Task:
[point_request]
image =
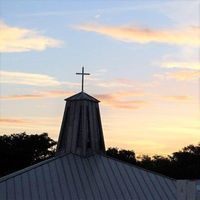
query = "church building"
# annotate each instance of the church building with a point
(81, 170)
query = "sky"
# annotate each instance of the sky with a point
(143, 57)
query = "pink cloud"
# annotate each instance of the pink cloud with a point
(184, 36)
(122, 100)
(39, 95)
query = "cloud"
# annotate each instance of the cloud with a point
(31, 79)
(182, 75)
(185, 65)
(13, 121)
(27, 79)
(122, 100)
(184, 36)
(15, 39)
(38, 95)
(123, 83)
(45, 122)
(178, 98)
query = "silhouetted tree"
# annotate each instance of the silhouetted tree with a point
(125, 155)
(184, 164)
(21, 150)
(187, 162)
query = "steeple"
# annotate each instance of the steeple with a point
(81, 131)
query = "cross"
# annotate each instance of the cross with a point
(82, 77)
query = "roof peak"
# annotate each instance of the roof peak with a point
(82, 96)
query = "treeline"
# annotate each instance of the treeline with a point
(183, 164)
(18, 151)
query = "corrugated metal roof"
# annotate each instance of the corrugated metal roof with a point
(96, 177)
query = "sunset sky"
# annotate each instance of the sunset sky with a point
(143, 57)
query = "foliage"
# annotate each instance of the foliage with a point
(21, 150)
(184, 164)
(125, 155)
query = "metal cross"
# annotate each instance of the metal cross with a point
(82, 77)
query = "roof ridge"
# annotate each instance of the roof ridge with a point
(141, 168)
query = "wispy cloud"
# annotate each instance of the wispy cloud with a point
(13, 121)
(123, 100)
(177, 98)
(183, 65)
(184, 36)
(123, 83)
(30, 122)
(23, 78)
(16, 39)
(181, 75)
(27, 79)
(37, 95)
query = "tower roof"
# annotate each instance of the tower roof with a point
(82, 96)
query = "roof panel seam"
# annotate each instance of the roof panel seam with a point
(97, 167)
(139, 184)
(147, 185)
(65, 178)
(131, 182)
(108, 178)
(154, 186)
(85, 171)
(169, 188)
(94, 178)
(115, 178)
(50, 175)
(58, 175)
(162, 187)
(116, 164)
(81, 181)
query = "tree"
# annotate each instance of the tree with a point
(21, 150)
(186, 162)
(124, 155)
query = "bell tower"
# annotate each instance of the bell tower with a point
(81, 130)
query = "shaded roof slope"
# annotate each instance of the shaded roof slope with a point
(96, 177)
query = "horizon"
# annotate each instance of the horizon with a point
(143, 58)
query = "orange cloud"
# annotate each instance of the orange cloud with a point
(180, 75)
(16, 124)
(39, 95)
(187, 36)
(124, 83)
(15, 39)
(185, 65)
(121, 100)
(13, 121)
(178, 98)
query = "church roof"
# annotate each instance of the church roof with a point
(70, 176)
